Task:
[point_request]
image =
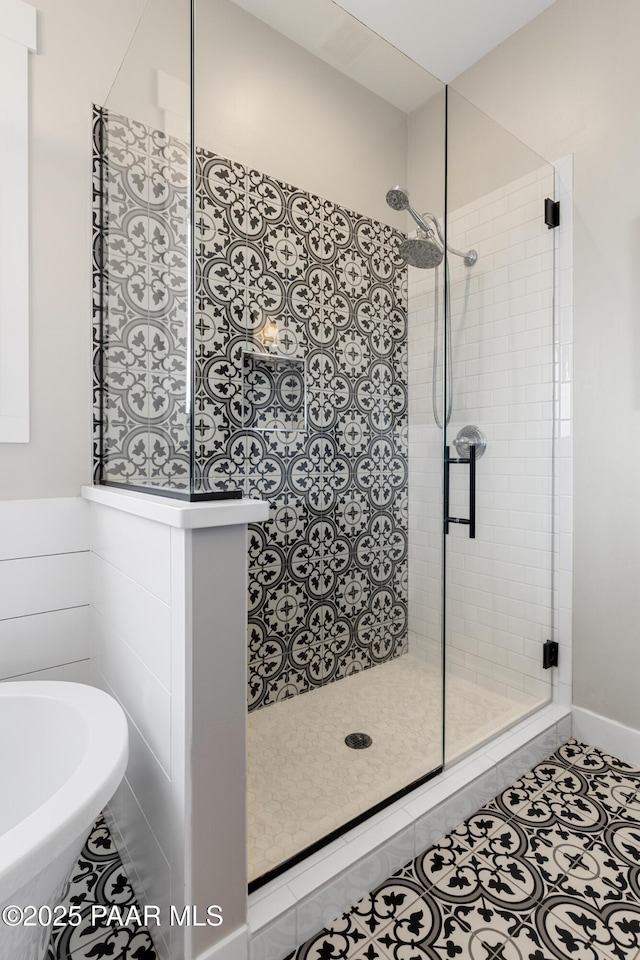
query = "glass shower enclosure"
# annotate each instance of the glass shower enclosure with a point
(324, 279)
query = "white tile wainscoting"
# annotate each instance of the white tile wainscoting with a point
(131, 617)
(44, 590)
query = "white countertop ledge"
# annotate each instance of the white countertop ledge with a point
(179, 513)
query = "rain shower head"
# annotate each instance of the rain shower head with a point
(421, 252)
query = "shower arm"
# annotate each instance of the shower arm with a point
(469, 257)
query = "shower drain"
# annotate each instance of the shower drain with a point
(358, 741)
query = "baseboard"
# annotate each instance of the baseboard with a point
(233, 947)
(608, 735)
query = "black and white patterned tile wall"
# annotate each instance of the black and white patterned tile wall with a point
(301, 360)
(140, 196)
(300, 389)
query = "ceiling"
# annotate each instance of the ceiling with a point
(426, 41)
(445, 36)
(334, 36)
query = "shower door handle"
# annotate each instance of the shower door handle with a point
(471, 460)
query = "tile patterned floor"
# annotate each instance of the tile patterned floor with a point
(99, 877)
(548, 870)
(305, 782)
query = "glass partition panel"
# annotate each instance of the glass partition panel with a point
(499, 384)
(303, 341)
(141, 259)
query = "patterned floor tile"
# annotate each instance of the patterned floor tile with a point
(480, 828)
(620, 796)
(529, 944)
(115, 942)
(593, 872)
(558, 835)
(386, 903)
(577, 813)
(571, 928)
(475, 930)
(520, 798)
(339, 945)
(568, 806)
(504, 881)
(549, 870)
(591, 760)
(615, 785)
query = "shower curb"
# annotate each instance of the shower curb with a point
(291, 908)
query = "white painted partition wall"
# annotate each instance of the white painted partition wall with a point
(168, 627)
(131, 631)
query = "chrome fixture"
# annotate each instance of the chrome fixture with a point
(398, 199)
(421, 252)
(470, 435)
(426, 251)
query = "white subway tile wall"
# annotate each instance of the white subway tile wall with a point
(499, 586)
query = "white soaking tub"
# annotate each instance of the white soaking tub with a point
(63, 752)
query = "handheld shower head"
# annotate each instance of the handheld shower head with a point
(398, 198)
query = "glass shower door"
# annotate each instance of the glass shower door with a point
(498, 457)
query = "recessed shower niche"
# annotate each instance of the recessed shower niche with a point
(274, 393)
(273, 320)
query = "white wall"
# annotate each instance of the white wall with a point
(44, 590)
(568, 82)
(79, 49)
(266, 102)
(162, 43)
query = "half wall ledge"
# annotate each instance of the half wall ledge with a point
(179, 513)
